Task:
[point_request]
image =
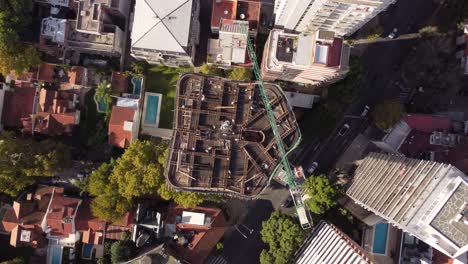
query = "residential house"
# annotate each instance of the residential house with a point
(165, 32)
(231, 45)
(97, 28)
(194, 232)
(341, 16)
(328, 244)
(240, 10)
(424, 198)
(315, 59)
(462, 54)
(48, 220)
(431, 137)
(124, 122)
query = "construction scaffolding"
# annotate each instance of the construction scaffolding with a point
(222, 140)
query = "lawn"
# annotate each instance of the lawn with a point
(93, 127)
(160, 79)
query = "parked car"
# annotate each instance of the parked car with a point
(343, 130)
(288, 202)
(393, 34)
(312, 168)
(365, 111)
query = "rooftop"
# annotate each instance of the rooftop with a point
(168, 22)
(243, 10)
(404, 190)
(328, 244)
(120, 134)
(231, 47)
(90, 16)
(222, 139)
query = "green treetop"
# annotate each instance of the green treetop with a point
(321, 194)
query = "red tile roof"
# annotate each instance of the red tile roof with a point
(334, 54)
(224, 9)
(428, 123)
(117, 135)
(62, 208)
(119, 82)
(251, 11)
(204, 241)
(18, 104)
(46, 72)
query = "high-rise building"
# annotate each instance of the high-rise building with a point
(427, 199)
(341, 16)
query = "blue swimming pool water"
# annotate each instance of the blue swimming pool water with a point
(56, 255)
(101, 105)
(87, 251)
(152, 103)
(380, 238)
(136, 85)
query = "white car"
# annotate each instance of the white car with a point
(312, 168)
(393, 34)
(343, 130)
(365, 111)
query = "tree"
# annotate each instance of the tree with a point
(138, 171)
(283, 237)
(104, 93)
(210, 69)
(387, 114)
(99, 179)
(241, 74)
(15, 15)
(20, 159)
(429, 31)
(110, 205)
(188, 199)
(321, 194)
(122, 250)
(13, 261)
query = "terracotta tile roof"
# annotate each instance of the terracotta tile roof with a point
(428, 123)
(204, 241)
(117, 229)
(117, 135)
(224, 9)
(334, 54)
(119, 82)
(18, 104)
(46, 72)
(62, 208)
(75, 75)
(251, 11)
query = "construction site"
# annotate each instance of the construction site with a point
(223, 141)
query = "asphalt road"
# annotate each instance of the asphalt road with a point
(383, 60)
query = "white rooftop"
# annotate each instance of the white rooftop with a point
(300, 100)
(327, 244)
(162, 25)
(127, 102)
(25, 236)
(54, 28)
(193, 218)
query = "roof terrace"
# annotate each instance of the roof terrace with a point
(222, 140)
(90, 15)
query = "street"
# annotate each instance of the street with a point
(382, 60)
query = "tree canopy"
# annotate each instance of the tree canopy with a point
(283, 236)
(240, 74)
(122, 250)
(321, 194)
(14, 16)
(210, 69)
(138, 172)
(21, 159)
(387, 114)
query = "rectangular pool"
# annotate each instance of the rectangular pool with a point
(87, 251)
(56, 254)
(136, 82)
(152, 106)
(379, 245)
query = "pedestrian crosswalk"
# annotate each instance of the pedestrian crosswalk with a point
(215, 260)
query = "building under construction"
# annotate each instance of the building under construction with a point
(222, 140)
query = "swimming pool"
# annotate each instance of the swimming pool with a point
(87, 251)
(136, 81)
(380, 238)
(151, 109)
(100, 104)
(56, 254)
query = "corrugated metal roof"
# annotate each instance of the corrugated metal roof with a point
(327, 244)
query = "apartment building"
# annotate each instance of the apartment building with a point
(71, 27)
(424, 198)
(165, 32)
(343, 17)
(315, 59)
